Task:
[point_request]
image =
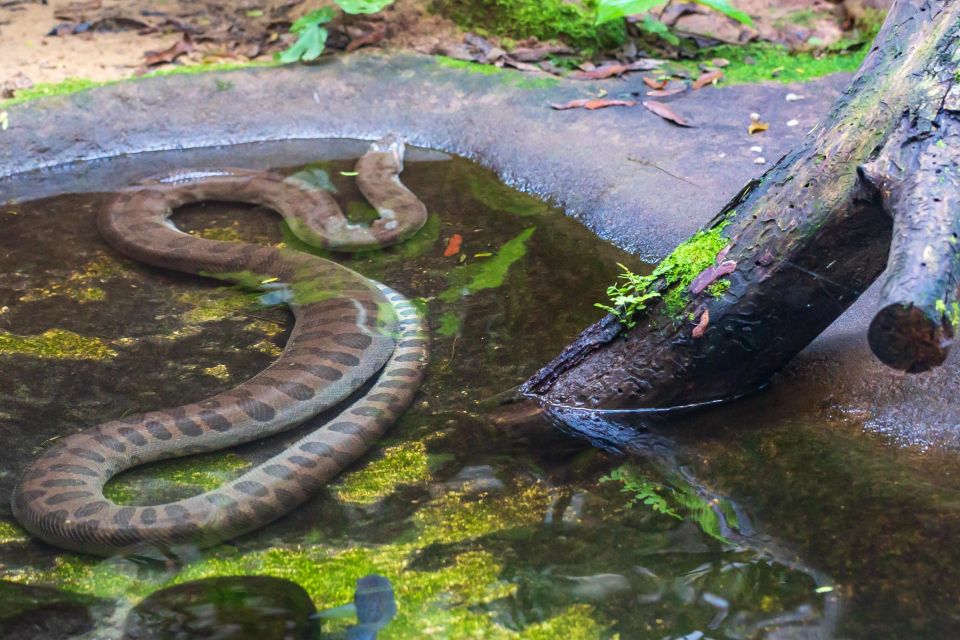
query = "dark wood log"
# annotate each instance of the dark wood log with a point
(805, 241)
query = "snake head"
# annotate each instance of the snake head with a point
(391, 144)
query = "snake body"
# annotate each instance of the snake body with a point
(347, 330)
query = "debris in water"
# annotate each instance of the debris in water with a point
(453, 246)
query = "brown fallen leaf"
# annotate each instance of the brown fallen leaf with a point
(707, 78)
(179, 48)
(665, 93)
(656, 84)
(371, 37)
(606, 71)
(538, 52)
(593, 103)
(665, 112)
(756, 127)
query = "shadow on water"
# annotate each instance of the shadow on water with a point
(747, 521)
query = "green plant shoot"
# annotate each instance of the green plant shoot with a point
(630, 297)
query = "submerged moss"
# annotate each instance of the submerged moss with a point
(212, 305)
(81, 285)
(56, 344)
(489, 273)
(11, 533)
(201, 473)
(456, 517)
(403, 464)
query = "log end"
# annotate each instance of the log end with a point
(908, 338)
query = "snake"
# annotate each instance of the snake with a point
(355, 343)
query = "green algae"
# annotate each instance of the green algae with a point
(450, 324)
(223, 234)
(488, 273)
(198, 473)
(445, 601)
(211, 305)
(573, 22)
(402, 464)
(81, 286)
(56, 344)
(499, 197)
(11, 533)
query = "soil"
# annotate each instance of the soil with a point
(50, 41)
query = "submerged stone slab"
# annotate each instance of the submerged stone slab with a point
(633, 178)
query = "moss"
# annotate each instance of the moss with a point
(717, 289)
(512, 77)
(761, 62)
(572, 22)
(211, 305)
(56, 344)
(450, 324)
(224, 234)
(77, 85)
(456, 517)
(399, 465)
(11, 533)
(686, 262)
(200, 473)
(950, 313)
(219, 371)
(80, 285)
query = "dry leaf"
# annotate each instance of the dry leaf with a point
(756, 127)
(665, 112)
(665, 93)
(593, 103)
(371, 37)
(600, 73)
(707, 78)
(656, 84)
(179, 48)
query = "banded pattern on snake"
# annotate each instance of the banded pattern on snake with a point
(347, 330)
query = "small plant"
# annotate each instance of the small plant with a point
(641, 491)
(611, 10)
(630, 297)
(312, 34)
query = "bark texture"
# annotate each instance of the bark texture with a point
(807, 239)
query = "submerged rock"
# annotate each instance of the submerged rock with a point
(228, 608)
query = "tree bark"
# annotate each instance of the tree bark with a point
(806, 240)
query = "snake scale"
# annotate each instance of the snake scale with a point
(347, 330)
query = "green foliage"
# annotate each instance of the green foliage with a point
(615, 10)
(674, 274)
(679, 500)
(951, 313)
(363, 6)
(641, 491)
(489, 273)
(630, 297)
(313, 35)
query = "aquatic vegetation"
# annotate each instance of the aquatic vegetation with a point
(10, 532)
(211, 305)
(224, 234)
(487, 273)
(81, 285)
(200, 473)
(57, 344)
(218, 371)
(401, 464)
(455, 517)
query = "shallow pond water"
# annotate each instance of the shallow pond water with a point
(773, 517)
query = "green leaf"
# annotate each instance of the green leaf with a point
(313, 19)
(610, 10)
(728, 10)
(653, 26)
(363, 6)
(308, 46)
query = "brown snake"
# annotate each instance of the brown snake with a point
(347, 330)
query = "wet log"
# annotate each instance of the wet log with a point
(876, 179)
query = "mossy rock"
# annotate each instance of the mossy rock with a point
(569, 20)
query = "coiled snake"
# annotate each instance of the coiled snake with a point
(347, 330)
